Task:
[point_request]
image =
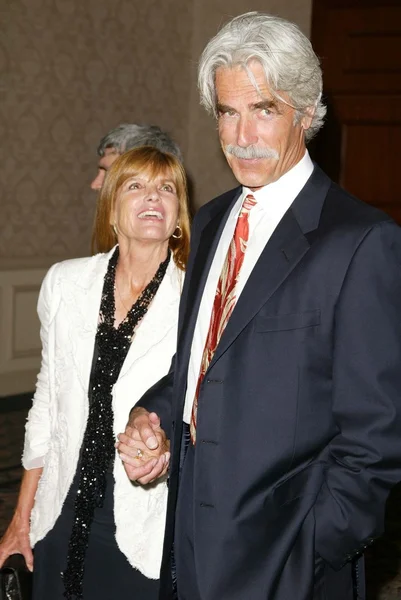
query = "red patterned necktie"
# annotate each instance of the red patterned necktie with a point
(224, 300)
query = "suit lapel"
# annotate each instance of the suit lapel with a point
(282, 253)
(284, 250)
(209, 240)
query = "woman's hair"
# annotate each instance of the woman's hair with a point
(285, 54)
(153, 162)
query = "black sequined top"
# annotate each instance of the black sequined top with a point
(97, 453)
(93, 380)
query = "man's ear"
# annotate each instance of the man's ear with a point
(307, 118)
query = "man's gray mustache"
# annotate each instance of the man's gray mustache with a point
(252, 152)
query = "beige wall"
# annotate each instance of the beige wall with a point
(71, 70)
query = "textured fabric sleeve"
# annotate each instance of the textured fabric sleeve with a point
(365, 455)
(37, 429)
(158, 399)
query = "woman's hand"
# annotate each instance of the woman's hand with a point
(16, 541)
(144, 447)
(16, 538)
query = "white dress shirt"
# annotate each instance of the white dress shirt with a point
(272, 202)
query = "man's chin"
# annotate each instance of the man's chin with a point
(253, 173)
(252, 179)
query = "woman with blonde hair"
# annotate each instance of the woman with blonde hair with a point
(108, 329)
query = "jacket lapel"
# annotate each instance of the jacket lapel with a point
(81, 294)
(159, 319)
(282, 253)
(209, 240)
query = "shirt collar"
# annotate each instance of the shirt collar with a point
(276, 198)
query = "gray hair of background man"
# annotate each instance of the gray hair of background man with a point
(128, 135)
(285, 53)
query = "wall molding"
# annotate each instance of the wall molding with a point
(20, 348)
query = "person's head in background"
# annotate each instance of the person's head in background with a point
(127, 136)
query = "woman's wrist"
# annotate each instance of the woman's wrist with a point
(21, 518)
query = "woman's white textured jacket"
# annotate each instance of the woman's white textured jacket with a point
(68, 309)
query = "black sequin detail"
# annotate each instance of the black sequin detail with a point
(98, 444)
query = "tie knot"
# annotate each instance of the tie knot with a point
(248, 203)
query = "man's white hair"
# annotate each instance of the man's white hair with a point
(285, 54)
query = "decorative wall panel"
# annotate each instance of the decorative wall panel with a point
(25, 341)
(19, 330)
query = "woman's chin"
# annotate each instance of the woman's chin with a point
(147, 237)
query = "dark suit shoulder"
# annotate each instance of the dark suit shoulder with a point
(343, 209)
(218, 204)
(348, 226)
(330, 215)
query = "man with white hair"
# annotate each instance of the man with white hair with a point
(287, 375)
(127, 136)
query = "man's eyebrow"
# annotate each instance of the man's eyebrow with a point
(223, 107)
(264, 104)
(271, 103)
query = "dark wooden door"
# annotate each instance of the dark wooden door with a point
(359, 43)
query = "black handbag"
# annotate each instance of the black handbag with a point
(15, 579)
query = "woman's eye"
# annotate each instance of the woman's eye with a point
(167, 188)
(134, 186)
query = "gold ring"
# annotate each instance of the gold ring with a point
(139, 454)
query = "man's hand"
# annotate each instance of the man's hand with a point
(144, 447)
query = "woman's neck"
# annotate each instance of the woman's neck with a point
(136, 267)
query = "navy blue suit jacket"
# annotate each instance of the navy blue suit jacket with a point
(299, 417)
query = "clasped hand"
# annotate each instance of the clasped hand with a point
(144, 447)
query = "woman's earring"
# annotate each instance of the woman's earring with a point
(179, 236)
(114, 226)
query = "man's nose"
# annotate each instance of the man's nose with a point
(246, 132)
(97, 183)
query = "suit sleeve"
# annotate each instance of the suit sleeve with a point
(37, 429)
(365, 456)
(158, 399)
